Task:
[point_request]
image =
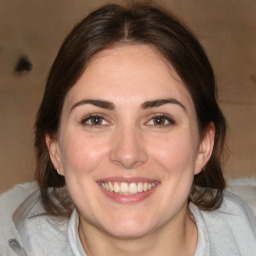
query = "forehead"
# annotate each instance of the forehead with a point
(129, 73)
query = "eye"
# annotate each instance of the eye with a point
(94, 120)
(161, 120)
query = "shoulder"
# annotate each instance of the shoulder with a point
(25, 226)
(245, 188)
(233, 202)
(9, 202)
(11, 199)
(231, 228)
(235, 213)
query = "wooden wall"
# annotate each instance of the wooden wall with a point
(33, 30)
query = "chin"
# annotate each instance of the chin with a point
(129, 233)
(130, 228)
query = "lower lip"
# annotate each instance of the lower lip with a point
(128, 199)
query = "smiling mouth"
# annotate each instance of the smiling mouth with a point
(125, 188)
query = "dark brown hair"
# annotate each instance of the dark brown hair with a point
(135, 24)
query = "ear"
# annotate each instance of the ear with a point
(54, 152)
(205, 148)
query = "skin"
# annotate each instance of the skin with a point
(128, 143)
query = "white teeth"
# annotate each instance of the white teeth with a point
(116, 188)
(133, 188)
(126, 188)
(140, 187)
(110, 186)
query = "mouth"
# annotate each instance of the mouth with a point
(127, 188)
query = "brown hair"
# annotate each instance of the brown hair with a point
(135, 24)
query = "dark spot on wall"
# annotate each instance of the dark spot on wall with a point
(253, 78)
(23, 64)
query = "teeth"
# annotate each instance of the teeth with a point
(132, 188)
(124, 188)
(127, 188)
(145, 186)
(140, 187)
(116, 188)
(110, 186)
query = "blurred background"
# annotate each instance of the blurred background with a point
(31, 32)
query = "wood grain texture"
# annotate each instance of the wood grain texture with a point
(227, 30)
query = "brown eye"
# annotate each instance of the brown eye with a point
(94, 120)
(161, 120)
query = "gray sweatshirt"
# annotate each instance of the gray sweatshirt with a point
(228, 231)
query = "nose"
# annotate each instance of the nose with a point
(128, 149)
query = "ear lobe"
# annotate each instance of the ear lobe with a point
(54, 152)
(205, 148)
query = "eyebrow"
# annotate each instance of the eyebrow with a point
(98, 103)
(110, 106)
(160, 102)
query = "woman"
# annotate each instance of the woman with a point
(128, 138)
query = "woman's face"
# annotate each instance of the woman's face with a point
(129, 125)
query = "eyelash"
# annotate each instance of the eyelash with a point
(153, 118)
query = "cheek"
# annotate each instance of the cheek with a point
(176, 154)
(81, 154)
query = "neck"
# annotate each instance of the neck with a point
(171, 239)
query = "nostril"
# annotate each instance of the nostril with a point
(23, 64)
